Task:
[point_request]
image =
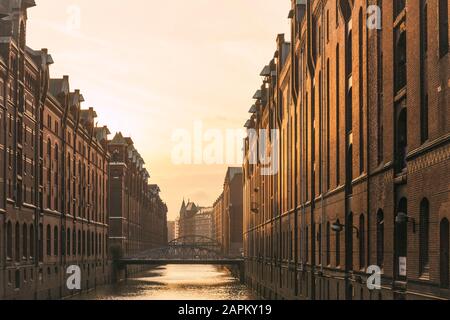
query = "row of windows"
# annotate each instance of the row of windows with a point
(94, 158)
(286, 241)
(20, 245)
(401, 123)
(399, 72)
(27, 275)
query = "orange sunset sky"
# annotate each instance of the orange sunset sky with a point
(151, 67)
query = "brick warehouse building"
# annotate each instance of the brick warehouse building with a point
(228, 214)
(363, 147)
(54, 173)
(138, 217)
(196, 221)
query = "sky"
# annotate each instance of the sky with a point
(158, 71)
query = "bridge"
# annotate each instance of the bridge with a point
(192, 250)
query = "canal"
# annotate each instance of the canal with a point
(175, 282)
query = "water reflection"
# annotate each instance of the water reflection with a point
(176, 282)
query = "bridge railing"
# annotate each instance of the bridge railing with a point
(187, 247)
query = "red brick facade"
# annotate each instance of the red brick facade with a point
(138, 217)
(228, 214)
(54, 177)
(364, 152)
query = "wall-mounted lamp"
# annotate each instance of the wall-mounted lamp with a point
(402, 217)
(339, 227)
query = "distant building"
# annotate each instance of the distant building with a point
(203, 222)
(171, 230)
(177, 227)
(233, 211)
(228, 213)
(218, 219)
(195, 221)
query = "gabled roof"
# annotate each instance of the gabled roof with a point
(129, 141)
(40, 57)
(55, 87)
(6, 6)
(258, 94)
(101, 132)
(58, 86)
(191, 207)
(253, 109)
(118, 139)
(155, 188)
(265, 71)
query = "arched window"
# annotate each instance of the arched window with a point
(349, 54)
(41, 242)
(31, 241)
(25, 241)
(79, 252)
(349, 170)
(337, 121)
(349, 112)
(401, 141)
(49, 148)
(401, 234)
(17, 242)
(83, 249)
(399, 6)
(443, 28)
(74, 242)
(424, 236)
(49, 241)
(400, 59)
(94, 243)
(424, 115)
(338, 245)
(444, 253)
(349, 241)
(9, 240)
(307, 244)
(55, 241)
(380, 239)
(362, 242)
(361, 23)
(56, 154)
(68, 241)
(319, 242)
(63, 241)
(88, 244)
(328, 243)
